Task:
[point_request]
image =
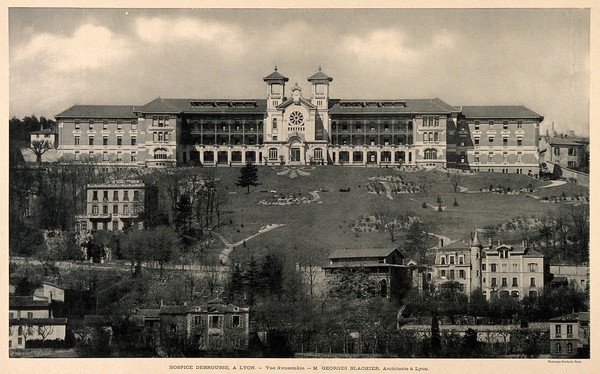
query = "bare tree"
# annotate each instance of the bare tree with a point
(45, 330)
(455, 179)
(580, 216)
(388, 219)
(212, 278)
(308, 265)
(423, 182)
(38, 148)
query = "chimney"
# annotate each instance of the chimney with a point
(571, 133)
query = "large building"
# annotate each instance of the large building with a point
(112, 206)
(498, 270)
(303, 129)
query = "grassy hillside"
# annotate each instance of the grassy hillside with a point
(327, 225)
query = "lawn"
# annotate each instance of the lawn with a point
(327, 225)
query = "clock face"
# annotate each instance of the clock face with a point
(296, 118)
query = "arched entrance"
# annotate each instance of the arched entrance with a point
(297, 151)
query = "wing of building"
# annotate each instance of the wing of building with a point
(303, 129)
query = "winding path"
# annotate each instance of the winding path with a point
(229, 247)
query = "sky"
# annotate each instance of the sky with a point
(538, 58)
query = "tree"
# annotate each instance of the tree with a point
(455, 179)
(353, 282)
(436, 341)
(390, 221)
(38, 148)
(423, 182)
(580, 216)
(248, 177)
(45, 330)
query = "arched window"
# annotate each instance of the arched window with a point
(383, 288)
(569, 347)
(273, 154)
(430, 154)
(318, 153)
(557, 348)
(160, 154)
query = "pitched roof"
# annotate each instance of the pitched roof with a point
(383, 106)
(207, 106)
(27, 302)
(499, 111)
(275, 76)
(44, 131)
(532, 253)
(98, 111)
(573, 317)
(38, 321)
(459, 244)
(563, 141)
(319, 76)
(290, 101)
(361, 253)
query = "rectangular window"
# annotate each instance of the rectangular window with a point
(91, 126)
(91, 140)
(504, 157)
(119, 141)
(505, 125)
(483, 267)
(569, 331)
(493, 282)
(95, 209)
(505, 142)
(133, 140)
(215, 321)
(126, 195)
(476, 140)
(197, 320)
(95, 195)
(532, 282)
(105, 140)
(133, 125)
(274, 123)
(572, 151)
(519, 142)
(504, 282)
(461, 274)
(104, 209)
(493, 268)
(532, 267)
(77, 157)
(557, 151)
(476, 125)
(104, 156)
(133, 156)
(119, 156)
(461, 260)
(115, 209)
(514, 282)
(105, 125)
(451, 274)
(125, 209)
(236, 321)
(115, 225)
(435, 136)
(451, 259)
(491, 140)
(77, 140)
(557, 331)
(442, 273)
(136, 195)
(77, 125)
(105, 195)
(115, 195)
(491, 157)
(476, 157)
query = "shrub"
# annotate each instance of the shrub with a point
(424, 205)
